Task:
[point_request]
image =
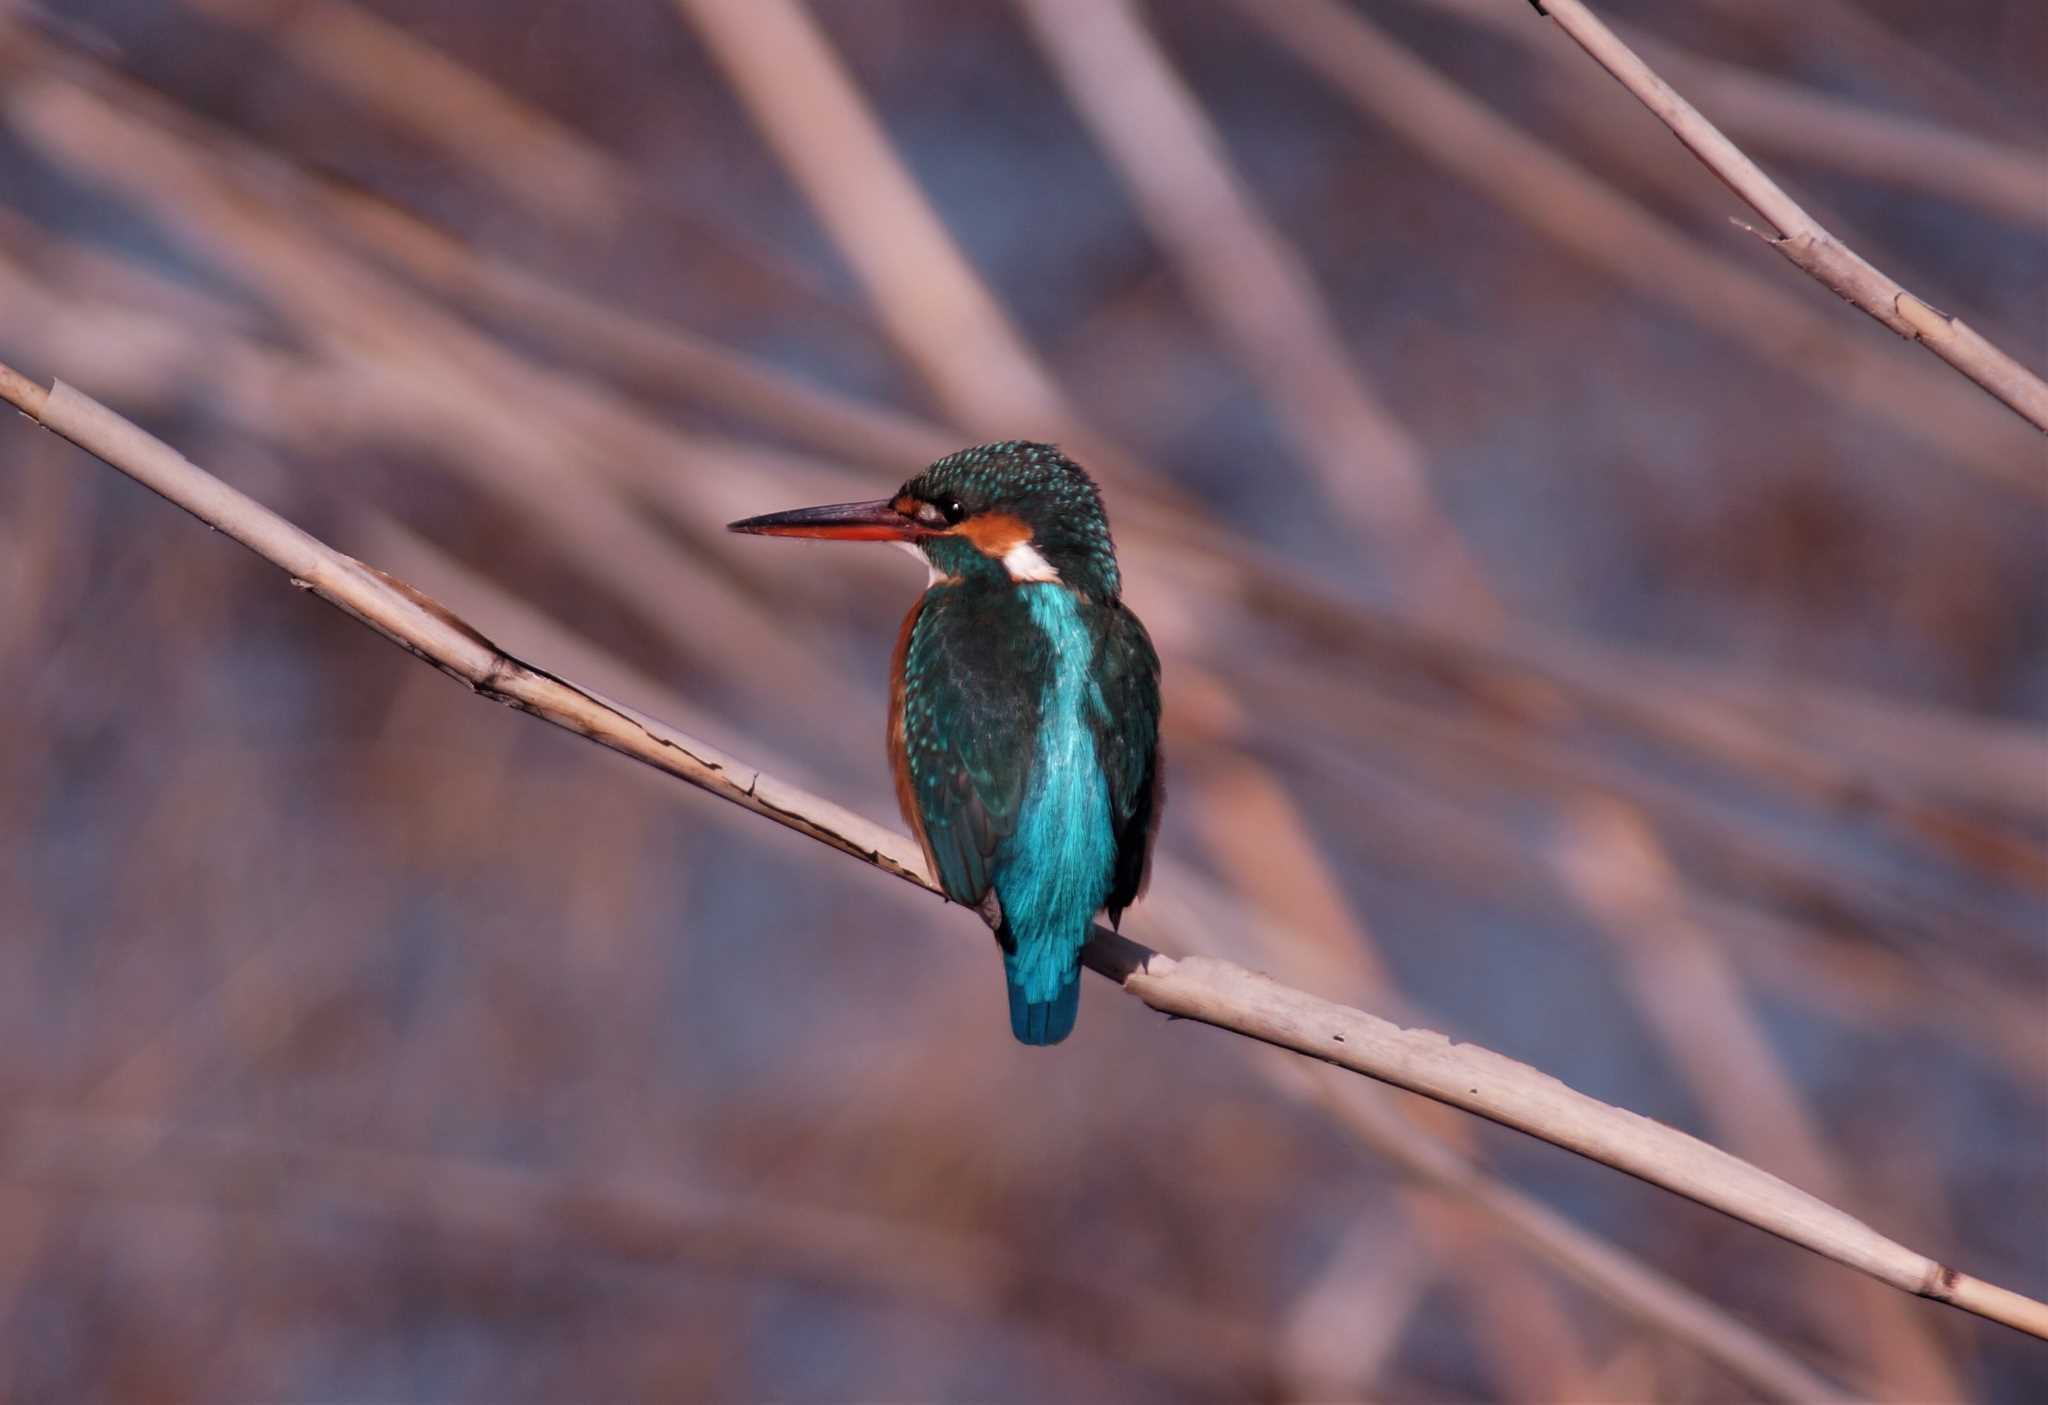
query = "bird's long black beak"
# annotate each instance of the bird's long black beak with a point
(877, 521)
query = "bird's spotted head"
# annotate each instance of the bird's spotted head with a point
(1011, 512)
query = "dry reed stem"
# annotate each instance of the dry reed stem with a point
(27, 1229)
(1848, 979)
(1413, 826)
(1774, 730)
(1254, 829)
(1922, 743)
(935, 306)
(1857, 791)
(1258, 837)
(1536, 1347)
(1433, 1152)
(1341, 1330)
(1612, 232)
(301, 979)
(1626, 1284)
(22, 393)
(211, 188)
(653, 1219)
(1260, 292)
(1603, 677)
(1595, 1265)
(1800, 238)
(1859, 41)
(1744, 726)
(1199, 988)
(541, 164)
(1256, 832)
(446, 349)
(1693, 1000)
(1628, 687)
(425, 377)
(1606, 680)
(536, 161)
(634, 349)
(1713, 834)
(1808, 124)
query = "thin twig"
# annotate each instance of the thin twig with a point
(1800, 238)
(1199, 988)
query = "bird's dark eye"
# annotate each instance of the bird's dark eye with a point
(940, 512)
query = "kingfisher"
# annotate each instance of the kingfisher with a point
(1023, 706)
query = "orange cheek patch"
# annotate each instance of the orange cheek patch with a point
(993, 533)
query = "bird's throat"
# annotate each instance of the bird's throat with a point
(936, 576)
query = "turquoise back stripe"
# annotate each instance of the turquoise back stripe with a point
(1055, 873)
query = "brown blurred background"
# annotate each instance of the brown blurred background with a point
(1583, 634)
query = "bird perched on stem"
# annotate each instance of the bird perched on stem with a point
(1024, 706)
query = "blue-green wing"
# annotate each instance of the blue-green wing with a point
(1127, 744)
(971, 683)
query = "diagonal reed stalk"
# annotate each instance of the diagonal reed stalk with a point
(1608, 228)
(1199, 988)
(1801, 238)
(1810, 125)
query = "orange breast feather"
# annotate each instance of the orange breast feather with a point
(899, 754)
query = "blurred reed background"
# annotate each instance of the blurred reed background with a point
(1582, 634)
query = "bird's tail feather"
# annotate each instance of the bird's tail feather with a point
(1044, 1021)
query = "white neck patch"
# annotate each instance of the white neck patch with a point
(1024, 563)
(933, 572)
